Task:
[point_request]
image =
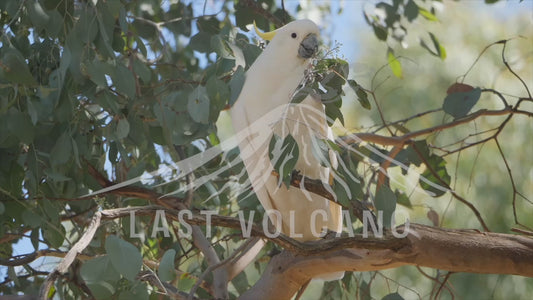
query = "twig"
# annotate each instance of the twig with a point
(213, 267)
(65, 263)
(455, 195)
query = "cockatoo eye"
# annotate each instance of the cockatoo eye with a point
(294, 35)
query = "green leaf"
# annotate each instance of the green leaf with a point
(123, 128)
(283, 155)
(20, 125)
(380, 32)
(362, 96)
(236, 84)
(385, 201)
(31, 219)
(427, 14)
(221, 47)
(437, 188)
(201, 42)
(438, 50)
(301, 94)
(393, 296)
(62, 150)
(186, 282)
(34, 237)
(38, 16)
(54, 234)
(459, 104)
(198, 105)
(250, 52)
(166, 270)
(219, 94)
(403, 199)
(86, 29)
(125, 257)
(124, 81)
(142, 70)
(411, 10)
(14, 69)
(137, 292)
(32, 111)
(100, 276)
(97, 71)
(364, 291)
(334, 112)
(441, 51)
(394, 64)
(240, 282)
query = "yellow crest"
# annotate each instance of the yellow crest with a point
(264, 35)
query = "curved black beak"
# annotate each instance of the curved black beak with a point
(308, 47)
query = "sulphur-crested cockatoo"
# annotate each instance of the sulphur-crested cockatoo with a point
(262, 109)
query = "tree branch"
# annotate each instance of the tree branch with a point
(445, 249)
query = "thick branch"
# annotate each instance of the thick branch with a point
(452, 250)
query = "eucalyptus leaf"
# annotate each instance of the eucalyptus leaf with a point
(394, 64)
(198, 105)
(15, 69)
(123, 128)
(125, 257)
(284, 155)
(124, 81)
(54, 234)
(236, 84)
(459, 104)
(62, 150)
(385, 201)
(166, 270)
(437, 174)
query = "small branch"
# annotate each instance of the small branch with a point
(403, 139)
(20, 260)
(65, 263)
(245, 258)
(213, 267)
(455, 195)
(220, 276)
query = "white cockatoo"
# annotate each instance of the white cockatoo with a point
(263, 108)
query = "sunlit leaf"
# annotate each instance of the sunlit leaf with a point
(394, 64)
(437, 174)
(427, 14)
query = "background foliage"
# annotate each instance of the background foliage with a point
(129, 86)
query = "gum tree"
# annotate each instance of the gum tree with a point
(97, 93)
